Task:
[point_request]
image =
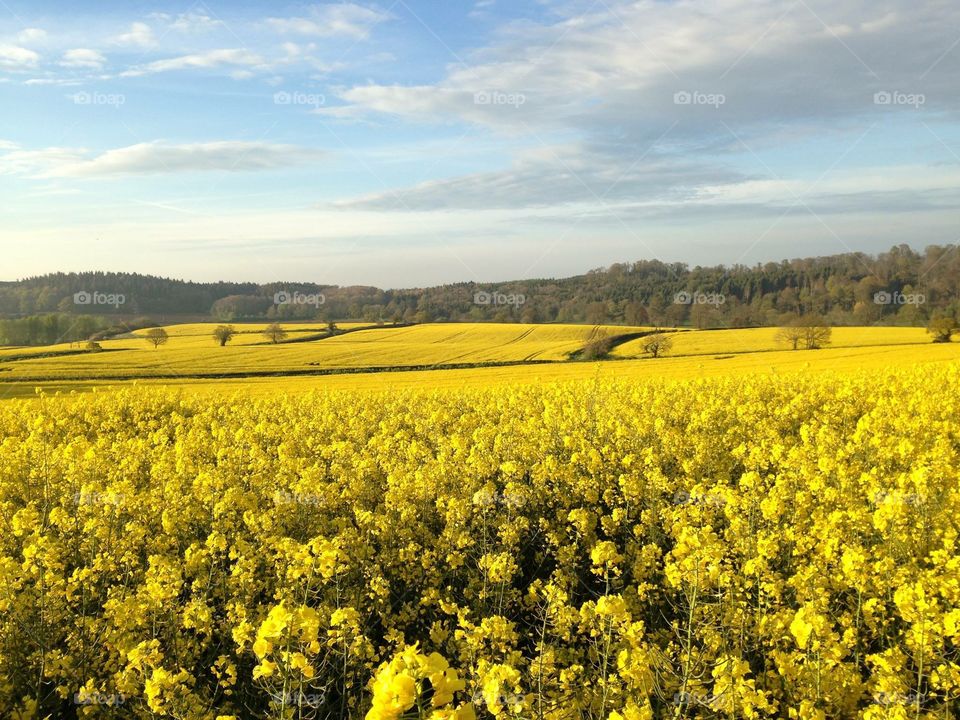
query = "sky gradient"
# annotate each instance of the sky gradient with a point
(413, 143)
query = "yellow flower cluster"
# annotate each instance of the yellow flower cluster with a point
(414, 680)
(612, 550)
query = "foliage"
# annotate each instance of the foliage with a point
(223, 334)
(599, 348)
(49, 329)
(842, 288)
(942, 328)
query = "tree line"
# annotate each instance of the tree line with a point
(899, 287)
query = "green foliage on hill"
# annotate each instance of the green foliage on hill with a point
(901, 286)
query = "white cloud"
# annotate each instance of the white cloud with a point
(206, 60)
(29, 36)
(619, 68)
(242, 63)
(60, 81)
(195, 22)
(154, 158)
(83, 58)
(895, 180)
(561, 175)
(36, 163)
(481, 9)
(610, 78)
(139, 35)
(346, 19)
(13, 57)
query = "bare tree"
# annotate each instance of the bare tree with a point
(657, 344)
(274, 333)
(224, 334)
(157, 337)
(791, 335)
(816, 335)
(809, 332)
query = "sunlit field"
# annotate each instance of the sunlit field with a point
(695, 354)
(610, 544)
(531, 535)
(749, 340)
(191, 335)
(191, 351)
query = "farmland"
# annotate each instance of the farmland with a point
(373, 357)
(733, 529)
(769, 545)
(751, 340)
(190, 352)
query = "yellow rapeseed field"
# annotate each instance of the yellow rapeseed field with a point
(190, 351)
(610, 548)
(827, 360)
(718, 342)
(189, 335)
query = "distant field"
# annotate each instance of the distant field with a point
(751, 340)
(192, 335)
(878, 359)
(199, 334)
(191, 351)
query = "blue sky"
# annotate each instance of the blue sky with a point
(409, 143)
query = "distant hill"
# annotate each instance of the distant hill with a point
(901, 286)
